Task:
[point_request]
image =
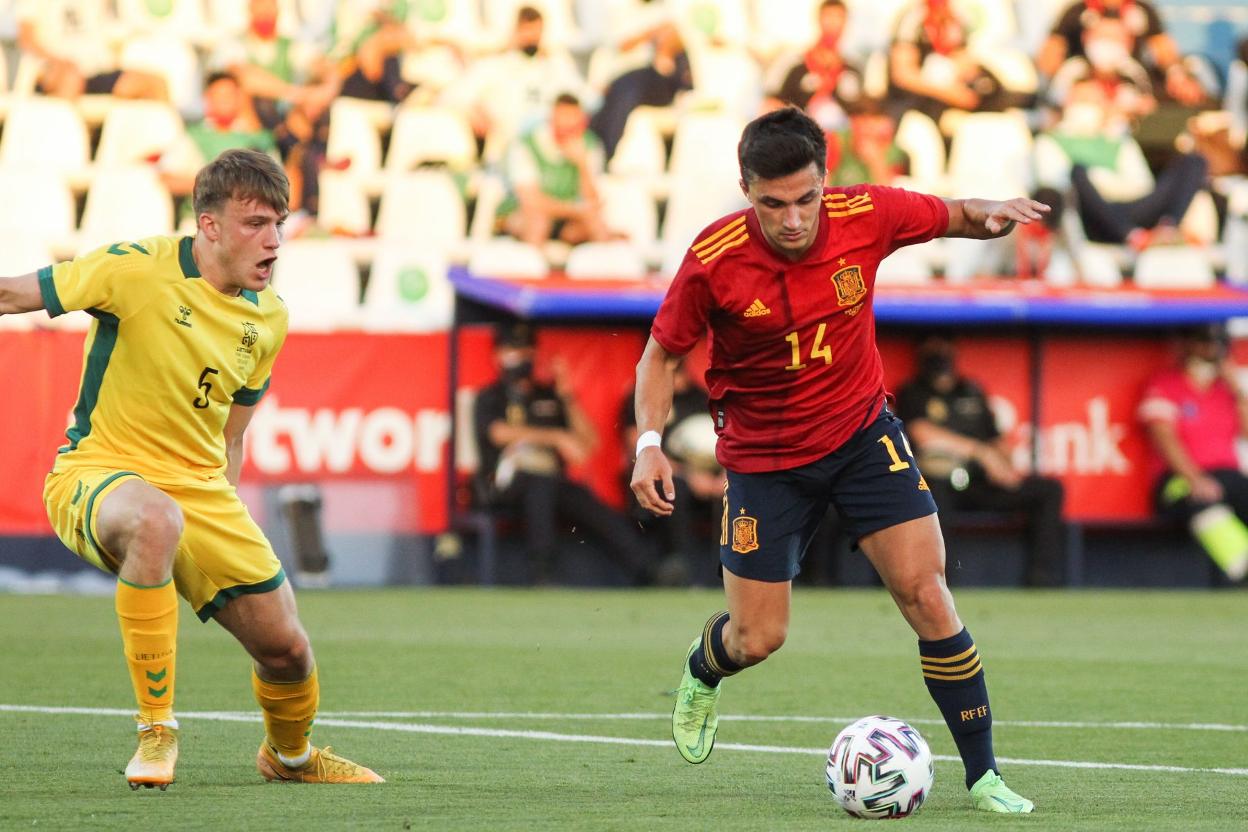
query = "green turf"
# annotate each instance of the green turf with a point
(1089, 657)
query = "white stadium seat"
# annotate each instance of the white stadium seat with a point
(430, 134)
(320, 284)
(45, 212)
(629, 208)
(354, 143)
(134, 131)
(125, 203)
(507, 257)
(907, 266)
(423, 205)
(408, 291)
(1173, 267)
(343, 206)
(173, 60)
(606, 261)
(45, 132)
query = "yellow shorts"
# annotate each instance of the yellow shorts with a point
(222, 553)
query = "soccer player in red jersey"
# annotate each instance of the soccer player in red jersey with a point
(797, 393)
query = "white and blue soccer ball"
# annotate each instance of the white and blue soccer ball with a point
(880, 767)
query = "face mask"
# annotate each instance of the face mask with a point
(933, 366)
(1083, 119)
(1105, 55)
(264, 29)
(518, 371)
(1201, 371)
(530, 50)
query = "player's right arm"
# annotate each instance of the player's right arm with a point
(20, 294)
(656, 373)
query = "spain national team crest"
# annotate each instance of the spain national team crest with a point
(744, 535)
(850, 287)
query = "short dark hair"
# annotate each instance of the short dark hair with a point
(220, 75)
(241, 174)
(779, 143)
(567, 98)
(527, 14)
(826, 4)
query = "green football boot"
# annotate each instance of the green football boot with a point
(990, 794)
(694, 718)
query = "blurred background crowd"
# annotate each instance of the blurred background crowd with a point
(599, 137)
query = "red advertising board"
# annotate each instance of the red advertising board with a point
(368, 415)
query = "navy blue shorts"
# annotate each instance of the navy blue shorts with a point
(770, 518)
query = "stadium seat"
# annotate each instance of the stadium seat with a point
(21, 254)
(171, 20)
(606, 261)
(343, 206)
(125, 203)
(788, 27)
(728, 79)
(629, 208)
(694, 203)
(354, 145)
(712, 22)
(1098, 268)
(408, 291)
(907, 266)
(1035, 19)
(1173, 267)
(45, 212)
(507, 257)
(174, 60)
(45, 132)
(425, 206)
(641, 154)
(705, 146)
(228, 18)
(320, 284)
(918, 135)
(424, 135)
(137, 131)
(991, 156)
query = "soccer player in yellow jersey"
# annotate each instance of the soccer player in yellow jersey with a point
(185, 334)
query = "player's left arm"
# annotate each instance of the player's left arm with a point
(235, 426)
(20, 294)
(983, 219)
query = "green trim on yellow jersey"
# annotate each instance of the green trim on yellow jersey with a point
(186, 259)
(89, 515)
(250, 398)
(218, 602)
(51, 302)
(103, 342)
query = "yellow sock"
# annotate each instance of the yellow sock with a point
(289, 708)
(149, 634)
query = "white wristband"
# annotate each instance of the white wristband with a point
(649, 439)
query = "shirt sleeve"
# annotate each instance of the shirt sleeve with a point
(1157, 405)
(113, 279)
(908, 217)
(683, 315)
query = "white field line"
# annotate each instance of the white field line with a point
(549, 736)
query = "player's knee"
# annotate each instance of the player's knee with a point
(288, 659)
(155, 528)
(927, 598)
(754, 644)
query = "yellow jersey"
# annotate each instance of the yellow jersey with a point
(164, 360)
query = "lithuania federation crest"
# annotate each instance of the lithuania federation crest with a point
(850, 287)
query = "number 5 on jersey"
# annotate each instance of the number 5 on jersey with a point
(205, 385)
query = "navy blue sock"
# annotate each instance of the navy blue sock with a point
(710, 661)
(955, 680)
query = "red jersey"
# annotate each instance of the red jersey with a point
(794, 371)
(1206, 421)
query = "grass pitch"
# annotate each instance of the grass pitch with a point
(524, 710)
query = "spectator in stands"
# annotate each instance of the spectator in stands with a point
(1151, 46)
(371, 67)
(823, 83)
(967, 465)
(656, 84)
(931, 68)
(1195, 414)
(865, 150)
(228, 122)
(291, 86)
(1107, 60)
(551, 171)
(689, 443)
(500, 93)
(528, 433)
(69, 38)
(1089, 153)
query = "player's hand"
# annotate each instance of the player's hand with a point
(1206, 489)
(1020, 210)
(571, 449)
(653, 468)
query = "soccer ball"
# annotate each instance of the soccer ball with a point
(879, 767)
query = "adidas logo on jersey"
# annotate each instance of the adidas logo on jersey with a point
(757, 309)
